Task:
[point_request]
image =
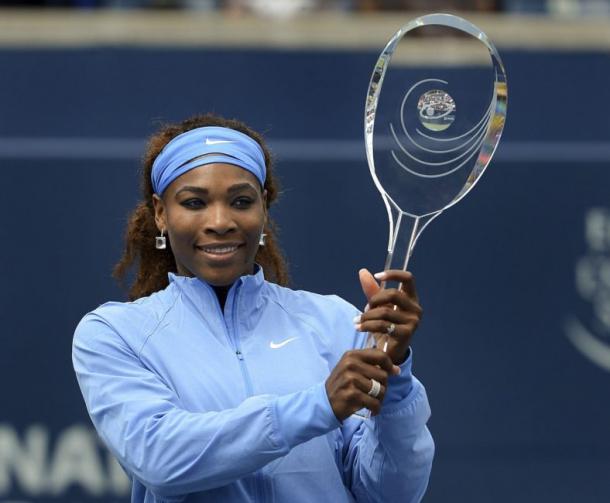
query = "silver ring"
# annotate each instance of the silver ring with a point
(391, 328)
(375, 388)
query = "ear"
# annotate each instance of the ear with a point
(160, 215)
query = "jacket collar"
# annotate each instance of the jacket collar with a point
(202, 293)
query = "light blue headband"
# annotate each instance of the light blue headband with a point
(185, 152)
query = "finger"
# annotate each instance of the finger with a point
(358, 369)
(365, 385)
(393, 297)
(384, 317)
(384, 327)
(374, 357)
(356, 392)
(369, 372)
(405, 278)
(388, 315)
(409, 287)
(369, 286)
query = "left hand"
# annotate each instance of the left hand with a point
(390, 307)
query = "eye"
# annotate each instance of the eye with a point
(193, 203)
(243, 202)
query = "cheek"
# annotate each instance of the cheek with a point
(255, 224)
(181, 225)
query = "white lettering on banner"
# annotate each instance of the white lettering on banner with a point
(592, 338)
(76, 460)
(26, 461)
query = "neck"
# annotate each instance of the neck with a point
(221, 293)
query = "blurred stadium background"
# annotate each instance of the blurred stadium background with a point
(515, 280)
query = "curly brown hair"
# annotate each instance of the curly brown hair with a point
(152, 265)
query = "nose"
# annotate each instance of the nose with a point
(219, 220)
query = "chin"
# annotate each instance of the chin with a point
(221, 278)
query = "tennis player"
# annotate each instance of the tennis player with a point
(218, 384)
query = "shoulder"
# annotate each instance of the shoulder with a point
(131, 322)
(309, 303)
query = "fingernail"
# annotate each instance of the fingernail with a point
(379, 275)
(396, 370)
(357, 318)
(358, 327)
(366, 308)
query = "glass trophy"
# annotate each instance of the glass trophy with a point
(435, 111)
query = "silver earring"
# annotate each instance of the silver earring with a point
(261, 240)
(160, 241)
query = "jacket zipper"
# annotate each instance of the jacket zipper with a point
(235, 342)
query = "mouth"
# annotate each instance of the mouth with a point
(219, 251)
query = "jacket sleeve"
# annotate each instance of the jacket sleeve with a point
(174, 451)
(389, 457)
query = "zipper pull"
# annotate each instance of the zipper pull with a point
(239, 355)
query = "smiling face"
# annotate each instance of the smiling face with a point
(214, 216)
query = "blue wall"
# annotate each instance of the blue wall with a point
(519, 413)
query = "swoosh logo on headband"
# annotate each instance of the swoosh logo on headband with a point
(209, 141)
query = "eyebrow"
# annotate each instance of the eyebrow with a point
(231, 190)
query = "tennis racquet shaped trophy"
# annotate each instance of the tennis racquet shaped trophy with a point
(433, 130)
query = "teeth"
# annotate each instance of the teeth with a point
(220, 250)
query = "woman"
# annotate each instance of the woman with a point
(216, 384)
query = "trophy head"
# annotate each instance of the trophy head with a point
(433, 130)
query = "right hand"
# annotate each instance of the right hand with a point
(348, 385)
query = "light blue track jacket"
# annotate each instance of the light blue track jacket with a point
(204, 406)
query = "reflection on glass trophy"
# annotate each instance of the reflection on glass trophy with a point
(433, 130)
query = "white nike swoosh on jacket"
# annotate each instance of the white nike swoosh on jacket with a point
(277, 345)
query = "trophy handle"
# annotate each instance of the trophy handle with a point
(405, 230)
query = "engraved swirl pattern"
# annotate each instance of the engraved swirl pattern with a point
(446, 154)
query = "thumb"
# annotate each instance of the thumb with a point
(369, 284)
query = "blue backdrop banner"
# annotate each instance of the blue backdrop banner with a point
(515, 280)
